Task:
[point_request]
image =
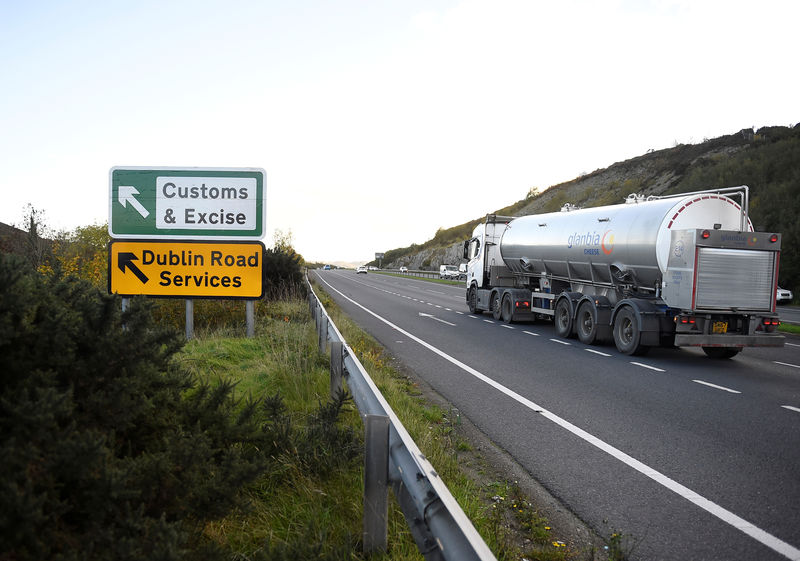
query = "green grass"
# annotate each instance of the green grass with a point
(297, 514)
(789, 328)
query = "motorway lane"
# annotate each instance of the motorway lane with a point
(789, 314)
(739, 450)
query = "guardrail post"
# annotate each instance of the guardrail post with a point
(376, 483)
(337, 366)
(323, 333)
(312, 304)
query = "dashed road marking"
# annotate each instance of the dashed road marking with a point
(710, 385)
(648, 366)
(786, 364)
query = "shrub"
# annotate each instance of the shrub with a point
(109, 450)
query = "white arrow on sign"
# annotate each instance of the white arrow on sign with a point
(437, 319)
(127, 195)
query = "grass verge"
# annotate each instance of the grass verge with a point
(297, 512)
(789, 328)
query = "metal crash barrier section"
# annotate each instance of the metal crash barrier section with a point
(439, 526)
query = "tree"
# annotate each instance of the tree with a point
(83, 252)
(282, 267)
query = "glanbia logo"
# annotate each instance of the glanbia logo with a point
(592, 242)
(607, 244)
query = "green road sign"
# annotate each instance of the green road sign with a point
(187, 203)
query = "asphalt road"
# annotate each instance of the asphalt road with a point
(692, 458)
(789, 314)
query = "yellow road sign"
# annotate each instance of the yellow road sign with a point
(186, 269)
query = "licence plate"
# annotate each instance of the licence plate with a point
(719, 327)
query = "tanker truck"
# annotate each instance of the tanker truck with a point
(682, 270)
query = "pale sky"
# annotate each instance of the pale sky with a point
(377, 122)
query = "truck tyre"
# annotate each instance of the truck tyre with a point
(507, 309)
(721, 352)
(563, 318)
(495, 305)
(586, 323)
(472, 300)
(627, 336)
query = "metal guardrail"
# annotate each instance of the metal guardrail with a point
(421, 274)
(439, 526)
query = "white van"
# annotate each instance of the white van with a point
(448, 272)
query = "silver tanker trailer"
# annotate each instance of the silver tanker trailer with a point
(684, 270)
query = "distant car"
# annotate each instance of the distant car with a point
(403, 269)
(361, 269)
(327, 268)
(782, 296)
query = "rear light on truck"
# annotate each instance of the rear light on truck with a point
(773, 238)
(770, 324)
(688, 319)
(706, 234)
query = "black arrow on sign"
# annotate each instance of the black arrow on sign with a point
(127, 259)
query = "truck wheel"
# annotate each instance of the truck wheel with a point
(586, 323)
(721, 352)
(472, 301)
(507, 309)
(563, 318)
(496, 306)
(627, 334)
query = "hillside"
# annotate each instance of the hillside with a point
(767, 160)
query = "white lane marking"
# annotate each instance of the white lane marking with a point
(786, 364)
(791, 344)
(596, 352)
(460, 313)
(488, 321)
(448, 309)
(790, 408)
(710, 385)
(723, 514)
(560, 342)
(435, 318)
(531, 333)
(648, 366)
(507, 327)
(474, 317)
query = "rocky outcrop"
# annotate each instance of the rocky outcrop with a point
(430, 259)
